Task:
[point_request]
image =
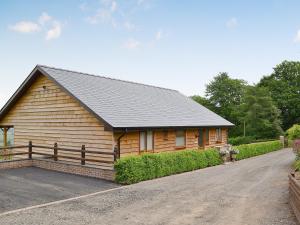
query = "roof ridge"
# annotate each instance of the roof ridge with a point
(105, 77)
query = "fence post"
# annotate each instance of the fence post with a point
(83, 155)
(55, 152)
(30, 150)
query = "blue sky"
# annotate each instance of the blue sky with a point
(175, 44)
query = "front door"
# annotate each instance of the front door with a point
(200, 138)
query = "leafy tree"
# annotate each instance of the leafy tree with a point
(226, 95)
(260, 114)
(284, 85)
(203, 101)
(294, 132)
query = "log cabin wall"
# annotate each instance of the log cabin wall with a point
(164, 140)
(45, 114)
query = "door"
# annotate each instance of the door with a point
(200, 138)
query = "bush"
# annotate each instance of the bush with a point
(246, 140)
(133, 169)
(250, 150)
(241, 140)
(213, 158)
(297, 165)
(294, 132)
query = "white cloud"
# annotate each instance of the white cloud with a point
(83, 7)
(102, 16)
(44, 18)
(132, 44)
(25, 27)
(232, 23)
(297, 38)
(113, 13)
(113, 6)
(54, 32)
(45, 23)
(159, 35)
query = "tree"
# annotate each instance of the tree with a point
(284, 85)
(226, 95)
(260, 114)
(203, 101)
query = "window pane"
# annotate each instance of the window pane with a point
(207, 136)
(219, 134)
(142, 141)
(10, 137)
(149, 140)
(180, 138)
(1, 138)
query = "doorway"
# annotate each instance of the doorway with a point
(200, 138)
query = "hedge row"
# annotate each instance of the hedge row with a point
(133, 169)
(246, 140)
(241, 140)
(250, 150)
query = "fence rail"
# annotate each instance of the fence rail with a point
(294, 188)
(55, 150)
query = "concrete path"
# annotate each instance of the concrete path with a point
(248, 192)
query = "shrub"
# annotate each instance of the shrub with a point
(246, 140)
(133, 169)
(294, 132)
(241, 140)
(297, 165)
(250, 150)
(213, 158)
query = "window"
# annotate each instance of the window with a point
(11, 137)
(207, 136)
(143, 141)
(7, 134)
(1, 138)
(200, 137)
(180, 138)
(146, 140)
(149, 140)
(219, 134)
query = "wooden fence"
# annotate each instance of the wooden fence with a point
(55, 153)
(294, 186)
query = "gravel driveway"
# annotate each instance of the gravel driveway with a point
(252, 191)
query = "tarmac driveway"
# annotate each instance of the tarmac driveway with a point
(26, 187)
(248, 192)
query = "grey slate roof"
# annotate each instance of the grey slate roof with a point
(124, 104)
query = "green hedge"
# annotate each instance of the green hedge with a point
(133, 169)
(297, 165)
(250, 150)
(241, 140)
(246, 140)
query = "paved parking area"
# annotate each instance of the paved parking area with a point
(31, 186)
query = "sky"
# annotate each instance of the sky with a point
(180, 45)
